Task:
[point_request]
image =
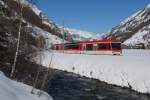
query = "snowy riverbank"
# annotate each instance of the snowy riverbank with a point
(12, 90)
(131, 70)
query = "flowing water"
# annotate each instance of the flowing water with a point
(69, 86)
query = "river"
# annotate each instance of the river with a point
(69, 86)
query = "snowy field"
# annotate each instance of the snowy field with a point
(12, 90)
(130, 69)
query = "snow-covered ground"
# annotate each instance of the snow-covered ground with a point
(12, 90)
(130, 69)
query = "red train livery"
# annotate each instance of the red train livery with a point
(90, 47)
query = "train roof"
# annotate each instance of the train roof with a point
(94, 41)
(101, 41)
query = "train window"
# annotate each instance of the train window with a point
(116, 46)
(57, 47)
(71, 46)
(103, 46)
(89, 47)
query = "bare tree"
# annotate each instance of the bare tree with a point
(46, 75)
(21, 6)
(18, 39)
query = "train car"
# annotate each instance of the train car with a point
(101, 47)
(91, 47)
(57, 46)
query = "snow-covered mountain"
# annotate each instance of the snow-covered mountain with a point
(37, 24)
(133, 30)
(36, 18)
(142, 36)
(79, 35)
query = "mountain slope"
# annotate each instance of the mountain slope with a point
(142, 36)
(134, 29)
(37, 33)
(79, 35)
(34, 16)
(35, 36)
(37, 24)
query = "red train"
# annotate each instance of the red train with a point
(90, 47)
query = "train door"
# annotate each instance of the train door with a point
(82, 48)
(94, 47)
(57, 47)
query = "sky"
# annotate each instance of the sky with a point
(96, 16)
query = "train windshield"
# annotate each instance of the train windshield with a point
(116, 46)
